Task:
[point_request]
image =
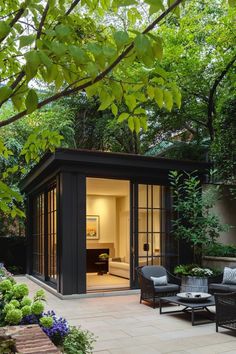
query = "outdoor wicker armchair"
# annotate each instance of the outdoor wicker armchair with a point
(225, 310)
(151, 293)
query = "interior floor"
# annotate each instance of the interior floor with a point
(105, 281)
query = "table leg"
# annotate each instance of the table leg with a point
(192, 316)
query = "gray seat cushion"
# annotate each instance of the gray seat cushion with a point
(221, 287)
(166, 288)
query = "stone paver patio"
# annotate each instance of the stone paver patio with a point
(123, 326)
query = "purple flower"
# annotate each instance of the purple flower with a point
(59, 329)
(30, 319)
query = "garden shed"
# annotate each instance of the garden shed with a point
(93, 217)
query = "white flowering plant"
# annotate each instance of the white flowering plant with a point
(192, 270)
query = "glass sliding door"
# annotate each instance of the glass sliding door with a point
(155, 244)
(38, 236)
(149, 224)
(52, 234)
(44, 235)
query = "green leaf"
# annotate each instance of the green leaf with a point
(168, 99)
(92, 69)
(130, 101)
(44, 58)
(157, 48)
(62, 31)
(121, 38)
(58, 48)
(31, 101)
(143, 123)
(78, 54)
(32, 63)
(120, 3)
(4, 29)
(122, 117)
(177, 96)
(114, 109)
(150, 92)
(26, 40)
(142, 45)
(17, 101)
(5, 92)
(95, 49)
(52, 72)
(158, 95)
(106, 100)
(155, 6)
(131, 123)
(109, 51)
(232, 3)
(117, 90)
(137, 125)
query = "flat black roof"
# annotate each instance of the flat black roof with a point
(79, 157)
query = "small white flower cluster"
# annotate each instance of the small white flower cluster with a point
(202, 271)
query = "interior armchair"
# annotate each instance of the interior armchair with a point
(156, 282)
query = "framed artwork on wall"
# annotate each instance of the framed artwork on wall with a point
(92, 227)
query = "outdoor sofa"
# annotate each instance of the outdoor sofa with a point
(219, 284)
(225, 310)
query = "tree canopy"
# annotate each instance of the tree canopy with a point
(74, 46)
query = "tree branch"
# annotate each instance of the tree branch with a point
(73, 5)
(99, 77)
(211, 99)
(14, 20)
(43, 18)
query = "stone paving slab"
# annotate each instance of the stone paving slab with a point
(122, 326)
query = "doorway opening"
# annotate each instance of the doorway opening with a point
(107, 234)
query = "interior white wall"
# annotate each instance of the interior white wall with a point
(105, 207)
(109, 199)
(123, 228)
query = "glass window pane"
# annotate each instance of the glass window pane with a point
(156, 197)
(142, 195)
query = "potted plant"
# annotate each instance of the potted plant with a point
(103, 256)
(194, 278)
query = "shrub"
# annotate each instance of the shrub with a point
(26, 301)
(13, 317)
(15, 303)
(37, 307)
(220, 250)
(46, 321)
(78, 341)
(5, 285)
(26, 310)
(14, 297)
(20, 290)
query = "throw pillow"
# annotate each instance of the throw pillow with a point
(229, 276)
(159, 280)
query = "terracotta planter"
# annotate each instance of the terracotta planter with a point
(194, 284)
